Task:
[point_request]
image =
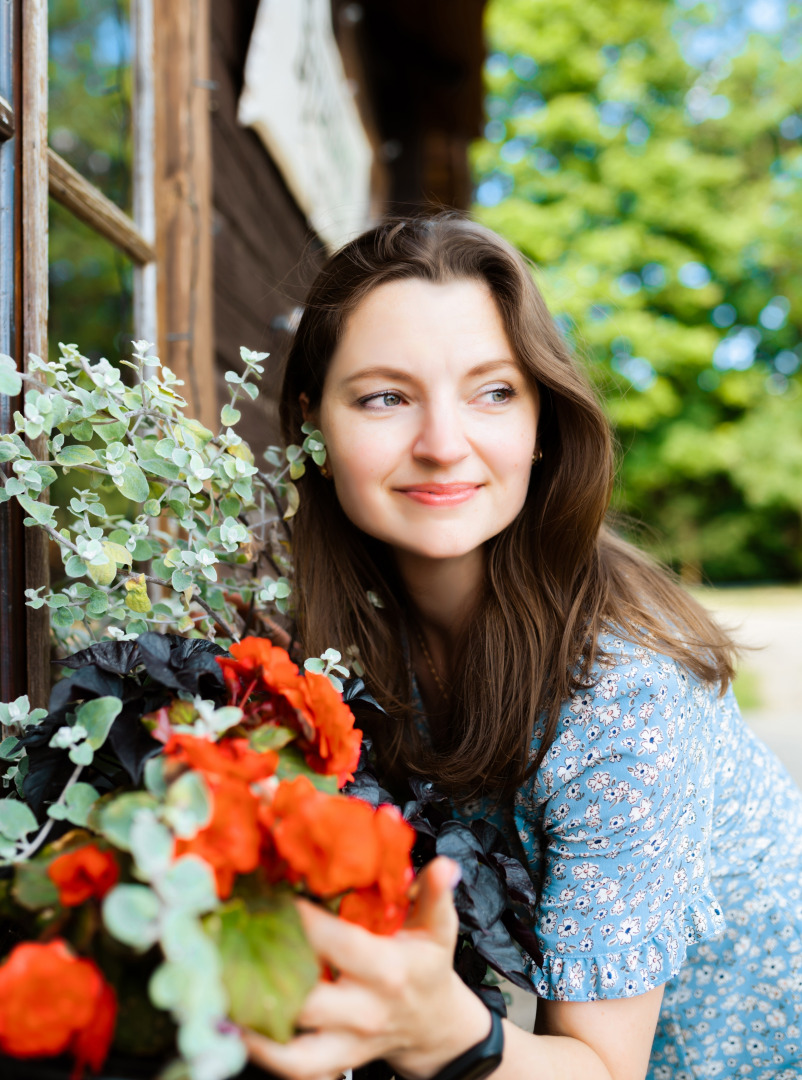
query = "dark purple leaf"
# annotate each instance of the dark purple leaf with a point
(117, 657)
(498, 949)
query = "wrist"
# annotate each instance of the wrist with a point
(462, 1022)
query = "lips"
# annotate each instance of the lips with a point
(440, 494)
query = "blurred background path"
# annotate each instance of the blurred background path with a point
(769, 683)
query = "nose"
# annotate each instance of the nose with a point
(441, 437)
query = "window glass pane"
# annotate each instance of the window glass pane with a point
(91, 290)
(90, 91)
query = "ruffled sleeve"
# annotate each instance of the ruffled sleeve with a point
(617, 823)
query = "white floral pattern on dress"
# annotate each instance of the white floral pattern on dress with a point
(666, 843)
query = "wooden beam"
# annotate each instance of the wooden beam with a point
(7, 125)
(32, 254)
(184, 201)
(89, 204)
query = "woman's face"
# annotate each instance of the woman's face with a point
(429, 422)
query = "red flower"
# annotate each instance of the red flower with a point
(396, 838)
(263, 680)
(54, 1002)
(256, 664)
(230, 843)
(334, 844)
(368, 908)
(334, 746)
(328, 841)
(83, 874)
(232, 758)
(382, 908)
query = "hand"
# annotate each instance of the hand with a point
(396, 998)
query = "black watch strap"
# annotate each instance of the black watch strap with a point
(480, 1060)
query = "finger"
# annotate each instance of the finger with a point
(434, 909)
(346, 946)
(316, 1056)
(342, 1005)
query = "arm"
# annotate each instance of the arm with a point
(400, 999)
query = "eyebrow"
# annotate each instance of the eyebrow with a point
(398, 374)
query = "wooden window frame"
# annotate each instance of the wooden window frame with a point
(168, 238)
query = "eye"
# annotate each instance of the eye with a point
(387, 399)
(498, 395)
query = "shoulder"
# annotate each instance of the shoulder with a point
(638, 709)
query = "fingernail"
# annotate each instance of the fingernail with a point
(456, 876)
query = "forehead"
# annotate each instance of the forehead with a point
(416, 321)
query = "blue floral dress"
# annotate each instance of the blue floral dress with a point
(666, 842)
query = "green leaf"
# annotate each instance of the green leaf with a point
(292, 764)
(134, 485)
(83, 431)
(230, 506)
(10, 749)
(180, 580)
(10, 382)
(151, 845)
(47, 475)
(143, 550)
(131, 914)
(78, 801)
(187, 805)
(229, 416)
(269, 967)
(112, 432)
(97, 716)
(165, 469)
(76, 455)
(293, 501)
(76, 567)
(152, 507)
(189, 885)
(16, 819)
(98, 604)
(115, 819)
(270, 737)
(82, 754)
(102, 575)
(40, 512)
(32, 887)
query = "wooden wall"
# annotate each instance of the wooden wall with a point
(264, 254)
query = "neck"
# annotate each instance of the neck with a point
(443, 592)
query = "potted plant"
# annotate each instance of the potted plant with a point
(189, 779)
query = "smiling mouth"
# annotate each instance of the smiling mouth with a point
(440, 494)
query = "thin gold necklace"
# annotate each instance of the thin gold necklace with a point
(427, 656)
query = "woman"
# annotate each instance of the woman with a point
(527, 656)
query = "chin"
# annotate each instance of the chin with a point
(439, 550)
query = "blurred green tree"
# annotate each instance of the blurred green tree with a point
(647, 157)
(89, 121)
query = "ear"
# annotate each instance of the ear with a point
(306, 412)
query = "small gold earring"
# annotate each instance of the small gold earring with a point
(325, 471)
(538, 454)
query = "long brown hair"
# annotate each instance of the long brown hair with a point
(556, 577)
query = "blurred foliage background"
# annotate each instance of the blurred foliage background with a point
(91, 283)
(648, 157)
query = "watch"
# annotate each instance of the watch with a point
(478, 1061)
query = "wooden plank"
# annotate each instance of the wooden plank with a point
(90, 205)
(13, 672)
(7, 125)
(32, 253)
(184, 200)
